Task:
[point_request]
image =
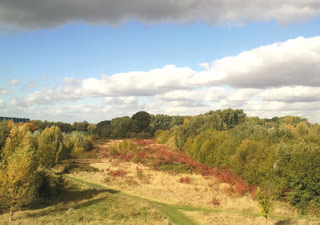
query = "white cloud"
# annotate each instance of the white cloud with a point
(71, 81)
(44, 14)
(13, 82)
(243, 94)
(139, 83)
(3, 91)
(19, 103)
(282, 78)
(204, 65)
(293, 62)
(121, 100)
(211, 94)
(292, 94)
(30, 85)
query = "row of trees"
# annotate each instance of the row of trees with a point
(281, 154)
(65, 127)
(140, 125)
(25, 154)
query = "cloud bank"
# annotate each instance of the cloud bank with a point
(33, 14)
(265, 81)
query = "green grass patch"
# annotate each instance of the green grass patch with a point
(175, 167)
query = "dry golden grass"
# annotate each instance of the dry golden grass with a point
(101, 208)
(164, 187)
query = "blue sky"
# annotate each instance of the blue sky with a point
(74, 65)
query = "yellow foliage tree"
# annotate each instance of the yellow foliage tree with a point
(18, 171)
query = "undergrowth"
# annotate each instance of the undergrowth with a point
(159, 157)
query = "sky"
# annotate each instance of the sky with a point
(76, 60)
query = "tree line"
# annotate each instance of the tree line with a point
(140, 125)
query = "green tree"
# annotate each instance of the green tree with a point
(77, 144)
(50, 147)
(64, 127)
(254, 161)
(142, 120)
(80, 126)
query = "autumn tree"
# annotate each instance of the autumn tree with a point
(4, 133)
(14, 140)
(18, 170)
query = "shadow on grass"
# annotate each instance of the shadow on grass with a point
(70, 198)
(283, 222)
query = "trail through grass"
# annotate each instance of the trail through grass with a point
(172, 212)
(176, 213)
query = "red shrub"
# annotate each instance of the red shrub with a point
(241, 187)
(229, 190)
(253, 192)
(224, 175)
(204, 170)
(215, 201)
(118, 173)
(185, 180)
(155, 164)
(145, 142)
(126, 157)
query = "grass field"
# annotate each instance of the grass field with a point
(108, 190)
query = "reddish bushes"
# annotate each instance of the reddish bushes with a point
(185, 180)
(160, 157)
(241, 187)
(223, 175)
(118, 173)
(126, 157)
(145, 142)
(215, 201)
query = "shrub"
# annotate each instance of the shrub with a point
(113, 151)
(185, 180)
(241, 187)
(78, 144)
(224, 175)
(215, 201)
(174, 167)
(118, 173)
(51, 186)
